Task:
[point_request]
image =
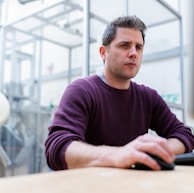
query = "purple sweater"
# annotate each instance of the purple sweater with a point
(93, 112)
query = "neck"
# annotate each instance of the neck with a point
(115, 82)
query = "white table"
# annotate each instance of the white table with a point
(103, 180)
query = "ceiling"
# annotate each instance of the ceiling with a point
(61, 21)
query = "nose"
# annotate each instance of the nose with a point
(133, 51)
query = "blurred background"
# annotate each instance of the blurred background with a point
(46, 44)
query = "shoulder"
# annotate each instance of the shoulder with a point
(142, 89)
(83, 83)
(147, 94)
(86, 81)
(82, 87)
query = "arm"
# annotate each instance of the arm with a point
(167, 125)
(176, 145)
(79, 154)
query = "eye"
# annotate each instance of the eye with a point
(125, 45)
(139, 47)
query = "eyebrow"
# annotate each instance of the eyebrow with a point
(129, 42)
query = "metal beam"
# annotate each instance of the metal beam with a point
(86, 38)
(173, 11)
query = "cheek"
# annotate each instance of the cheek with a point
(140, 59)
(112, 59)
(115, 56)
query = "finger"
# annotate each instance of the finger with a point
(159, 151)
(157, 146)
(145, 159)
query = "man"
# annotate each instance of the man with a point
(103, 120)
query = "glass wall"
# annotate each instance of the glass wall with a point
(47, 44)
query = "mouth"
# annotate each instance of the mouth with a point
(132, 64)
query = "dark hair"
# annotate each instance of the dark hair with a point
(132, 22)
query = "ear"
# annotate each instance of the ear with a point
(102, 51)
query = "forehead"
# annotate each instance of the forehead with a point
(128, 34)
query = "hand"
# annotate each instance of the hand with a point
(79, 154)
(135, 151)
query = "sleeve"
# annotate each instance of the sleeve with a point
(69, 123)
(167, 125)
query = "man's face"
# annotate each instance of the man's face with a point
(124, 55)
